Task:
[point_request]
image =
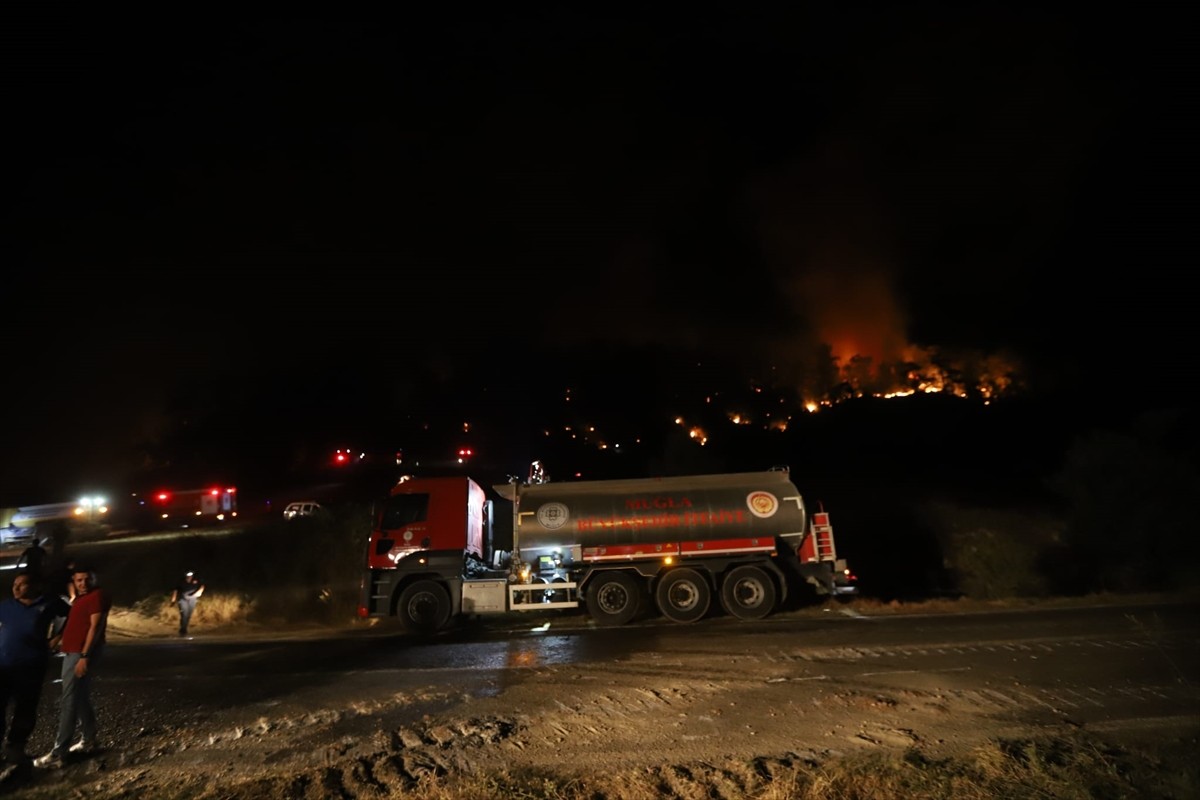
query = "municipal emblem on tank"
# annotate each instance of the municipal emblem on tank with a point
(762, 504)
(553, 516)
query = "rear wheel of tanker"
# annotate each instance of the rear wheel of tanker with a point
(614, 598)
(424, 607)
(748, 592)
(683, 595)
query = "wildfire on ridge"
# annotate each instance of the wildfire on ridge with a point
(859, 342)
(922, 371)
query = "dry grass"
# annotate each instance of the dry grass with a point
(1033, 769)
(158, 615)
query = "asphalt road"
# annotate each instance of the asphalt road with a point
(1101, 663)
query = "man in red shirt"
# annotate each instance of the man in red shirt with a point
(82, 645)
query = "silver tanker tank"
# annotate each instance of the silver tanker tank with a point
(569, 521)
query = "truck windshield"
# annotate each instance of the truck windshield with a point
(403, 509)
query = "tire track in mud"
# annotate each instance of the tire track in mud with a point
(616, 713)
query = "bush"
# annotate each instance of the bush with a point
(994, 553)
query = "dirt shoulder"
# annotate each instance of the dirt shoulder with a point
(710, 721)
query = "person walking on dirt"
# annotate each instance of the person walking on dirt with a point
(186, 595)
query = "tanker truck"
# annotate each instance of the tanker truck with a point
(617, 549)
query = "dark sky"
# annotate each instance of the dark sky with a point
(304, 217)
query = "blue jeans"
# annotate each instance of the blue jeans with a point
(76, 704)
(186, 607)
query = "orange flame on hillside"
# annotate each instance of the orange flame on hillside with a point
(865, 341)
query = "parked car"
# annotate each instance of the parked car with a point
(301, 508)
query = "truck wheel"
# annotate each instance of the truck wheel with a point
(424, 607)
(614, 598)
(683, 595)
(748, 593)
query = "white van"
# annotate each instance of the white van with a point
(303, 508)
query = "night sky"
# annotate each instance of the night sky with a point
(273, 232)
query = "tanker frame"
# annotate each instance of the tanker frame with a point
(616, 548)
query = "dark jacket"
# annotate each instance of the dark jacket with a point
(23, 631)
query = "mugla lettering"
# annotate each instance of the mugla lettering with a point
(651, 503)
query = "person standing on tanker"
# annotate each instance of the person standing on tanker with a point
(82, 646)
(186, 595)
(24, 651)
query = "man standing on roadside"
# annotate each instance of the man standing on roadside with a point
(185, 595)
(33, 559)
(24, 650)
(82, 646)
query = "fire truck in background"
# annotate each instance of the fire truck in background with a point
(180, 508)
(615, 548)
(52, 523)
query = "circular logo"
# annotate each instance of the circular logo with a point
(553, 516)
(762, 504)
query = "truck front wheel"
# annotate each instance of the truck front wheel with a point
(424, 607)
(748, 592)
(614, 598)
